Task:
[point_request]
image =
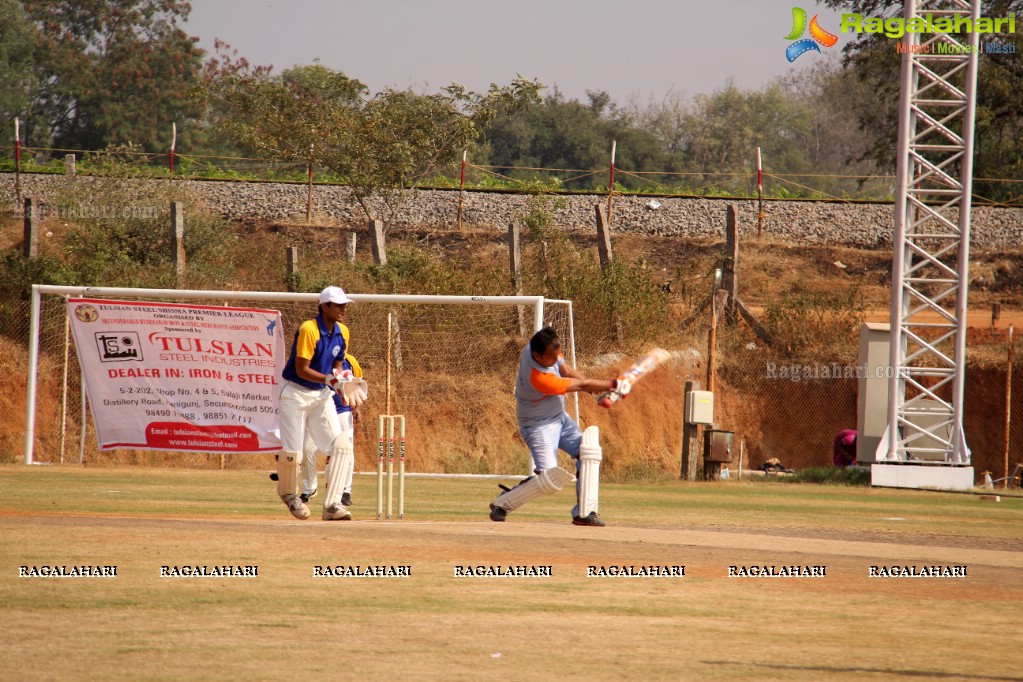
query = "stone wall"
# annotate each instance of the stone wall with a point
(802, 222)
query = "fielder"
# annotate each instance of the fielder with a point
(312, 375)
(543, 380)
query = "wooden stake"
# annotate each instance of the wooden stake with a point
(1008, 408)
(611, 183)
(309, 193)
(742, 451)
(760, 196)
(690, 440)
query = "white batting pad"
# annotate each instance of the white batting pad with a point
(287, 473)
(342, 462)
(590, 455)
(547, 482)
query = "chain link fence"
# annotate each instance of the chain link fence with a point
(452, 374)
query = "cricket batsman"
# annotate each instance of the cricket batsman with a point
(540, 388)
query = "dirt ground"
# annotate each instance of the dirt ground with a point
(436, 625)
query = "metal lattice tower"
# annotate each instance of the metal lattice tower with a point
(930, 263)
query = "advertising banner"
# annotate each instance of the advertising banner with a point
(173, 376)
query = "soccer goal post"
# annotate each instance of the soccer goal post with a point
(446, 362)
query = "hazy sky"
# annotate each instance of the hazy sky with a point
(642, 48)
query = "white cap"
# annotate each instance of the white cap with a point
(334, 295)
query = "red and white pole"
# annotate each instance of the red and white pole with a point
(611, 180)
(17, 158)
(461, 188)
(174, 142)
(760, 195)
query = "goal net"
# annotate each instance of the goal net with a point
(448, 363)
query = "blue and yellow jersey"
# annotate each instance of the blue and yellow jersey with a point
(539, 391)
(323, 347)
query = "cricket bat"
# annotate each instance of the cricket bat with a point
(643, 366)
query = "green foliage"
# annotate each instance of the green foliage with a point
(821, 323)
(998, 129)
(120, 228)
(830, 475)
(623, 296)
(571, 135)
(397, 138)
(287, 118)
(110, 72)
(17, 64)
(17, 275)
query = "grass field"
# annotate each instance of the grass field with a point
(433, 625)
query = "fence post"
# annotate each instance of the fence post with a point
(350, 246)
(515, 266)
(603, 237)
(729, 274)
(292, 276)
(31, 243)
(606, 257)
(376, 235)
(690, 439)
(178, 240)
(69, 165)
(17, 158)
(760, 195)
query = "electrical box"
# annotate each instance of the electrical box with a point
(717, 446)
(700, 407)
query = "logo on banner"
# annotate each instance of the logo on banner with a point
(119, 347)
(86, 313)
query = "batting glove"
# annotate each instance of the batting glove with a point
(622, 386)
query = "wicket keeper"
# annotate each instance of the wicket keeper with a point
(313, 374)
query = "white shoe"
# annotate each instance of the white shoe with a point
(296, 506)
(336, 512)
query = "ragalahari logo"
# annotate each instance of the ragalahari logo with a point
(817, 35)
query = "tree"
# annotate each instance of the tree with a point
(999, 123)
(17, 67)
(397, 138)
(291, 118)
(382, 145)
(572, 135)
(111, 71)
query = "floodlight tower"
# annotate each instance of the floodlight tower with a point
(931, 246)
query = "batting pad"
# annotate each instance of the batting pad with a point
(342, 462)
(547, 482)
(287, 473)
(590, 455)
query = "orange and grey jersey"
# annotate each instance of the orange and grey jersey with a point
(539, 391)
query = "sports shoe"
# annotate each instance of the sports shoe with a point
(305, 496)
(296, 506)
(498, 513)
(591, 519)
(336, 512)
(346, 500)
